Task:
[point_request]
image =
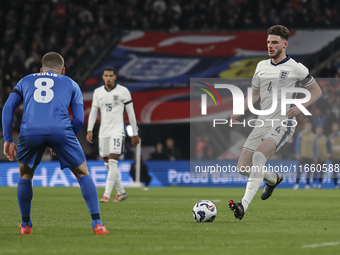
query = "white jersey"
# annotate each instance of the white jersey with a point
(286, 74)
(112, 105)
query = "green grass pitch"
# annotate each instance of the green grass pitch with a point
(159, 221)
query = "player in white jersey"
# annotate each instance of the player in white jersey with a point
(272, 75)
(112, 99)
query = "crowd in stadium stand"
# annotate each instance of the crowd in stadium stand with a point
(63, 26)
(327, 109)
(176, 15)
(80, 29)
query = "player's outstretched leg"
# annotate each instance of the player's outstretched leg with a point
(89, 192)
(255, 179)
(256, 175)
(268, 189)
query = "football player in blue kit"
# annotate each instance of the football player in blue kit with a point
(46, 123)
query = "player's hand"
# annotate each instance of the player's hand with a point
(10, 150)
(315, 160)
(53, 152)
(89, 136)
(233, 118)
(298, 157)
(135, 140)
(294, 111)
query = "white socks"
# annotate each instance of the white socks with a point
(110, 181)
(113, 178)
(243, 172)
(255, 178)
(269, 177)
(113, 164)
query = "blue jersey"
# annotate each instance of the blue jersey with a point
(46, 97)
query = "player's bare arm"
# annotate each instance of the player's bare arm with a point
(89, 136)
(10, 150)
(255, 97)
(135, 140)
(315, 92)
(91, 121)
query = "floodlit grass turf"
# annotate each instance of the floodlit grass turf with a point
(159, 221)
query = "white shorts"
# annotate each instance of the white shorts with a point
(280, 135)
(111, 145)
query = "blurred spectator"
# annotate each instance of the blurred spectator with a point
(17, 56)
(128, 152)
(336, 105)
(203, 149)
(144, 173)
(304, 149)
(322, 152)
(159, 5)
(171, 151)
(334, 139)
(329, 71)
(33, 61)
(336, 64)
(85, 15)
(330, 118)
(318, 118)
(175, 7)
(158, 154)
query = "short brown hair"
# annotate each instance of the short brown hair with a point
(279, 30)
(109, 68)
(52, 60)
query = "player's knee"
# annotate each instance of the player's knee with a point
(244, 168)
(80, 171)
(243, 164)
(114, 156)
(26, 172)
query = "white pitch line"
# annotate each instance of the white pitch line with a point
(316, 245)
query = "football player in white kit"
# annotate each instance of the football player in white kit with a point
(280, 71)
(112, 99)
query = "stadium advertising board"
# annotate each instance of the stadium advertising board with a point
(48, 174)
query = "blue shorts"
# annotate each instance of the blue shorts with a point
(66, 146)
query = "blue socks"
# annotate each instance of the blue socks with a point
(25, 194)
(89, 192)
